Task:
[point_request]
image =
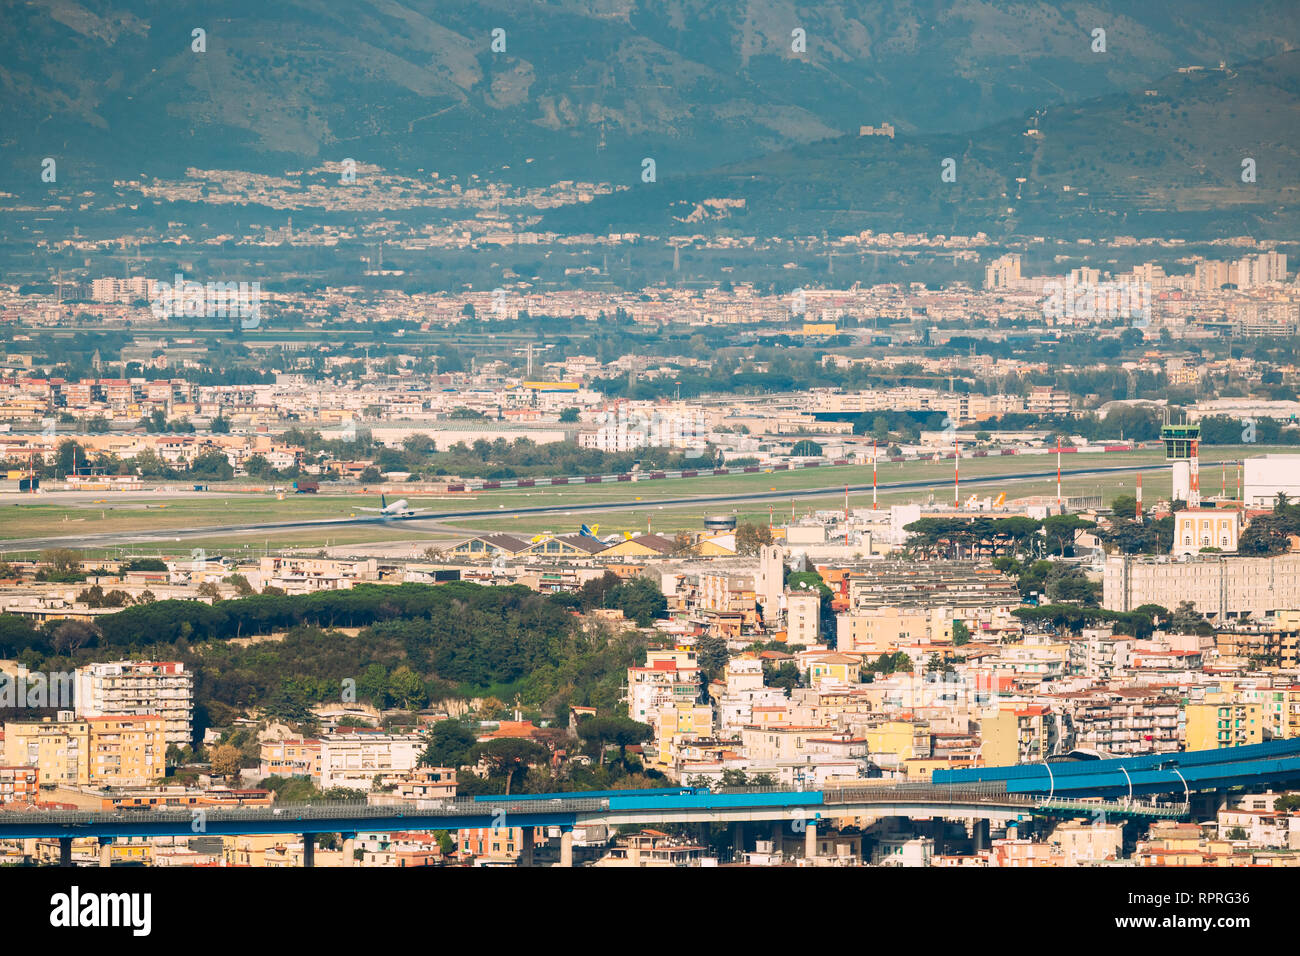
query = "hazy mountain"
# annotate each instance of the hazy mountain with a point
(586, 88)
(1165, 158)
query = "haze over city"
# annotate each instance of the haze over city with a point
(638, 434)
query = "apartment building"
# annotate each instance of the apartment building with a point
(119, 750)
(141, 688)
(59, 747)
(291, 758)
(912, 586)
(1224, 723)
(1221, 587)
(803, 617)
(1024, 733)
(422, 785)
(354, 759)
(1122, 720)
(669, 677)
(1098, 653)
(19, 786)
(882, 630)
(126, 750)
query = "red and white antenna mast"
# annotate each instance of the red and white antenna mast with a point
(956, 473)
(873, 476)
(1058, 473)
(1195, 476)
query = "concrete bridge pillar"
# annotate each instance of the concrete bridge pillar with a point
(105, 851)
(810, 840)
(349, 848)
(778, 837)
(566, 847)
(979, 835)
(526, 847)
(65, 851)
(738, 838)
(308, 849)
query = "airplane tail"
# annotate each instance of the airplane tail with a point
(589, 531)
(383, 502)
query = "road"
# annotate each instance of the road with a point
(433, 522)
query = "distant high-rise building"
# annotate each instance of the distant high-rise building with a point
(1002, 272)
(1211, 275)
(129, 290)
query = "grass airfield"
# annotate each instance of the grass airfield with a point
(59, 513)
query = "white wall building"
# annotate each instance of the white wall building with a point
(1268, 475)
(352, 760)
(139, 688)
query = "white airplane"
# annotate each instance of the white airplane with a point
(398, 509)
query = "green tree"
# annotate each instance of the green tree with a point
(67, 457)
(508, 756)
(226, 760)
(448, 744)
(751, 537)
(622, 732)
(712, 655)
(406, 688)
(960, 633)
(640, 600)
(213, 465)
(240, 584)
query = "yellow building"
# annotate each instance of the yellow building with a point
(641, 546)
(1223, 722)
(127, 751)
(882, 630)
(922, 768)
(1025, 733)
(905, 739)
(679, 721)
(60, 748)
(274, 850)
(1282, 711)
(833, 668)
(999, 742)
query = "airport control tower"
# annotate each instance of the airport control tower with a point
(1181, 451)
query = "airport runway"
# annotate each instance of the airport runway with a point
(433, 521)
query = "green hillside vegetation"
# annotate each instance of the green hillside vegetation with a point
(418, 644)
(1124, 163)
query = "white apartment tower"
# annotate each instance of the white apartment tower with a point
(138, 689)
